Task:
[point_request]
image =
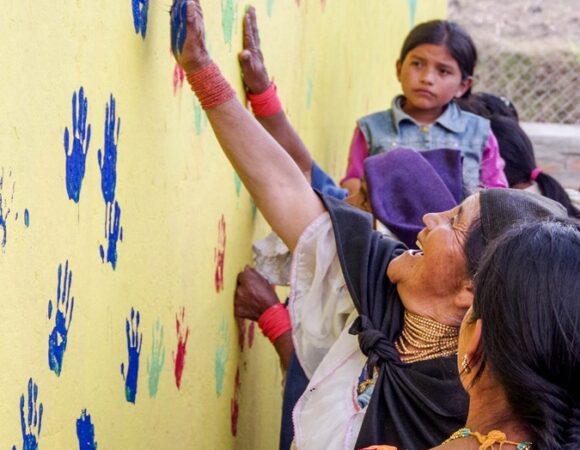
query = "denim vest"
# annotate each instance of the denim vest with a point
(454, 129)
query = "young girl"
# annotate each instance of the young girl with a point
(435, 67)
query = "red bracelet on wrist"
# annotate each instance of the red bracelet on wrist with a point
(210, 87)
(267, 103)
(275, 321)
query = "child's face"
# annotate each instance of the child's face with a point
(430, 78)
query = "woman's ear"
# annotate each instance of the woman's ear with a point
(398, 66)
(465, 85)
(473, 346)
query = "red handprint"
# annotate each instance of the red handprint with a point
(182, 335)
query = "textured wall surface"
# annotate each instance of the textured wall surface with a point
(122, 226)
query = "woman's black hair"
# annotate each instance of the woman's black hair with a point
(452, 36)
(527, 296)
(517, 151)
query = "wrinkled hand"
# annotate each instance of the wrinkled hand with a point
(254, 72)
(188, 35)
(253, 296)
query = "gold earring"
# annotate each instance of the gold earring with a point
(465, 364)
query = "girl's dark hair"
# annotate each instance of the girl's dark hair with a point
(517, 151)
(488, 105)
(452, 36)
(527, 296)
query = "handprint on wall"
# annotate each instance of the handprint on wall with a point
(219, 255)
(157, 359)
(178, 77)
(63, 306)
(229, 8)
(6, 198)
(86, 432)
(222, 354)
(31, 420)
(140, 12)
(134, 341)
(108, 157)
(179, 356)
(113, 234)
(76, 155)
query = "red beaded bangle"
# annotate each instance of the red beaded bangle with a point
(210, 87)
(267, 103)
(275, 321)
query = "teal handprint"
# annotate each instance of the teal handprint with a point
(157, 359)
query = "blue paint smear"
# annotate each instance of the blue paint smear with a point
(412, 11)
(4, 211)
(134, 341)
(26, 218)
(86, 432)
(140, 11)
(113, 234)
(64, 305)
(77, 155)
(178, 14)
(108, 158)
(30, 422)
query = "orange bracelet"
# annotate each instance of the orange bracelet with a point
(210, 87)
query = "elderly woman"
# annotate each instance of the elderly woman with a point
(518, 356)
(374, 326)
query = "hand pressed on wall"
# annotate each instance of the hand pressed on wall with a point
(254, 295)
(188, 35)
(254, 74)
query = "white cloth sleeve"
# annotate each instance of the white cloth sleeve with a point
(319, 299)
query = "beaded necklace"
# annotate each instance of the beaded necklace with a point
(423, 338)
(487, 441)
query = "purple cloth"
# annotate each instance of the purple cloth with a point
(404, 185)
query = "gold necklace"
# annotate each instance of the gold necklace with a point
(487, 441)
(422, 339)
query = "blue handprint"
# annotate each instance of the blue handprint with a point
(77, 155)
(108, 158)
(178, 15)
(86, 432)
(134, 341)
(64, 305)
(140, 10)
(31, 423)
(113, 233)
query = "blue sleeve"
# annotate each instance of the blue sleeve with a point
(323, 183)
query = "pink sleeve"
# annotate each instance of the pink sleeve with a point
(492, 164)
(359, 151)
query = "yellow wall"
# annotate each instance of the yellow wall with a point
(333, 61)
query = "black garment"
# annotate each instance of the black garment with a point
(296, 383)
(414, 406)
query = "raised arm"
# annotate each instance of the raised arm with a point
(273, 179)
(257, 82)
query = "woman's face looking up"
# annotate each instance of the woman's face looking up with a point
(437, 271)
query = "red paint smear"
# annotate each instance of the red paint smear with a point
(179, 358)
(219, 255)
(251, 334)
(323, 4)
(241, 333)
(235, 407)
(298, 2)
(178, 77)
